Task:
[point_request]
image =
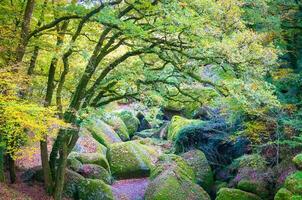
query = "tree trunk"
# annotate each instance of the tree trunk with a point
(33, 60)
(60, 172)
(25, 30)
(46, 168)
(2, 175)
(12, 169)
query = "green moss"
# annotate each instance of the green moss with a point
(130, 121)
(72, 180)
(294, 183)
(117, 124)
(254, 161)
(258, 188)
(74, 164)
(92, 189)
(235, 194)
(93, 158)
(178, 123)
(297, 160)
(283, 194)
(129, 160)
(102, 132)
(296, 197)
(93, 171)
(199, 163)
(175, 163)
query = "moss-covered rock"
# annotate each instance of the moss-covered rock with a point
(297, 160)
(255, 187)
(102, 132)
(72, 180)
(173, 178)
(73, 163)
(294, 183)
(235, 194)
(129, 160)
(117, 124)
(283, 194)
(254, 161)
(131, 122)
(93, 171)
(90, 158)
(148, 133)
(87, 144)
(203, 172)
(178, 123)
(93, 189)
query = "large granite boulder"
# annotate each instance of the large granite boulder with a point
(235, 194)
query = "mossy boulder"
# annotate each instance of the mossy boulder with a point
(129, 160)
(73, 163)
(235, 194)
(283, 194)
(254, 161)
(297, 160)
(294, 183)
(173, 178)
(72, 180)
(90, 158)
(131, 122)
(203, 172)
(178, 123)
(93, 189)
(255, 187)
(148, 133)
(87, 144)
(93, 171)
(117, 124)
(102, 132)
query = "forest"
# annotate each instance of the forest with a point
(151, 99)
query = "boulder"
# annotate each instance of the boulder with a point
(117, 124)
(90, 158)
(131, 122)
(102, 132)
(72, 180)
(173, 178)
(129, 160)
(93, 189)
(178, 123)
(87, 144)
(73, 163)
(294, 183)
(235, 194)
(283, 194)
(143, 122)
(253, 161)
(148, 133)
(93, 171)
(297, 160)
(199, 163)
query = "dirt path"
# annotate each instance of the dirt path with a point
(130, 189)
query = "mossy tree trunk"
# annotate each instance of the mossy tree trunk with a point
(2, 175)
(12, 169)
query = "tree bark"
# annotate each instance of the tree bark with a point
(2, 174)
(33, 60)
(46, 168)
(25, 30)
(12, 169)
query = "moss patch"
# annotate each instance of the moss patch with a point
(129, 160)
(235, 194)
(130, 121)
(117, 124)
(199, 163)
(178, 123)
(297, 160)
(91, 158)
(294, 183)
(283, 194)
(92, 189)
(102, 132)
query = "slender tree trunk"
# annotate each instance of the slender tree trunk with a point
(33, 60)
(48, 181)
(2, 174)
(61, 170)
(12, 169)
(25, 30)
